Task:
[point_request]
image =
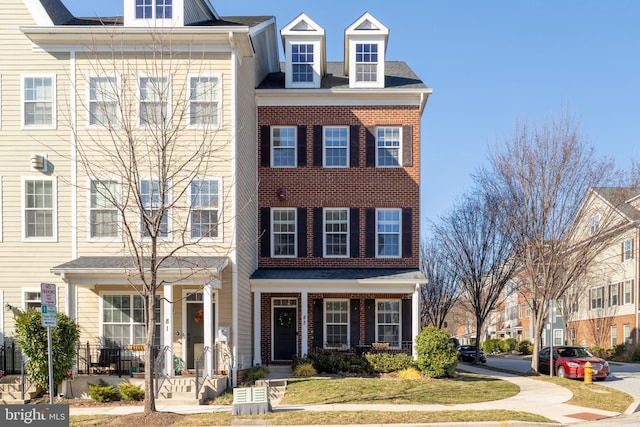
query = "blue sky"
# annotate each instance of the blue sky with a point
(489, 63)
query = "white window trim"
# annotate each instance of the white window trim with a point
(295, 233)
(400, 148)
(624, 293)
(624, 249)
(217, 99)
(131, 293)
(399, 233)
(119, 100)
(220, 237)
(168, 100)
(315, 83)
(294, 148)
(594, 224)
(169, 210)
(54, 219)
(23, 293)
(90, 238)
(591, 299)
(380, 72)
(399, 343)
(324, 233)
(53, 124)
(324, 148)
(614, 287)
(324, 323)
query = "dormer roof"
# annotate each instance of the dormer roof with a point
(365, 27)
(303, 28)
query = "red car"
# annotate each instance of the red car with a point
(569, 362)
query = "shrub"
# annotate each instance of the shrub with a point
(304, 370)
(635, 357)
(32, 339)
(410, 374)
(491, 346)
(130, 392)
(387, 362)
(337, 363)
(524, 347)
(509, 344)
(437, 357)
(102, 392)
(619, 349)
(254, 373)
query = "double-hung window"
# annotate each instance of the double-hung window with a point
(366, 62)
(283, 226)
(205, 208)
(38, 99)
(154, 201)
(626, 292)
(388, 230)
(388, 147)
(144, 9)
(31, 299)
(204, 101)
(336, 323)
(39, 209)
(302, 62)
(123, 319)
(597, 295)
(594, 223)
(104, 194)
(154, 99)
(388, 322)
(164, 9)
(283, 146)
(613, 295)
(627, 249)
(103, 101)
(336, 232)
(336, 146)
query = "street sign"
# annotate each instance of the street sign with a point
(48, 293)
(49, 316)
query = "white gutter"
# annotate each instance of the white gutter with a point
(233, 254)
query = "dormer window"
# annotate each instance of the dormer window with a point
(144, 9)
(366, 62)
(302, 62)
(304, 49)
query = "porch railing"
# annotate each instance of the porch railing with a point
(10, 358)
(112, 360)
(159, 364)
(201, 371)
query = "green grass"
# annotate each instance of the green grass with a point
(467, 388)
(592, 395)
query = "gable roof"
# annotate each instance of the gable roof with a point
(621, 199)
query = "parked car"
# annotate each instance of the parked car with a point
(569, 362)
(467, 353)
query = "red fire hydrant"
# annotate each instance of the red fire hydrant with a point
(588, 370)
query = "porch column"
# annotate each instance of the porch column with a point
(304, 316)
(415, 320)
(167, 329)
(257, 328)
(70, 308)
(208, 326)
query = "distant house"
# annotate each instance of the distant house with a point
(339, 179)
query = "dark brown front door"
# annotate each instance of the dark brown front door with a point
(285, 328)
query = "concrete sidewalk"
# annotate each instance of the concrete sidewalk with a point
(537, 397)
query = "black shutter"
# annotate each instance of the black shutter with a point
(407, 146)
(370, 146)
(406, 319)
(354, 233)
(318, 330)
(370, 233)
(317, 145)
(302, 146)
(265, 145)
(369, 321)
(265, 232)
(318, 235)
(354, 146)
(302, 233)
(407, 233)
(354, 320)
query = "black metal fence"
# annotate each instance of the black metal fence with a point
(10, 358)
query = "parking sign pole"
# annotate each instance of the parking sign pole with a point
(50, 343)
(49, 320)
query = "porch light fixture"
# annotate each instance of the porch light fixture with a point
(282, 193)
(8, 307)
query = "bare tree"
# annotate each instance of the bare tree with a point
(481, 254)
(442, 289)
(148, 158)
(540, 180)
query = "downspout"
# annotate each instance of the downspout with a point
(71, 289)
(634, 282)
(233, 254)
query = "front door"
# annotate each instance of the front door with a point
(195, 332)
(285, 334)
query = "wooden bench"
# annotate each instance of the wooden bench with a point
(251, 401)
